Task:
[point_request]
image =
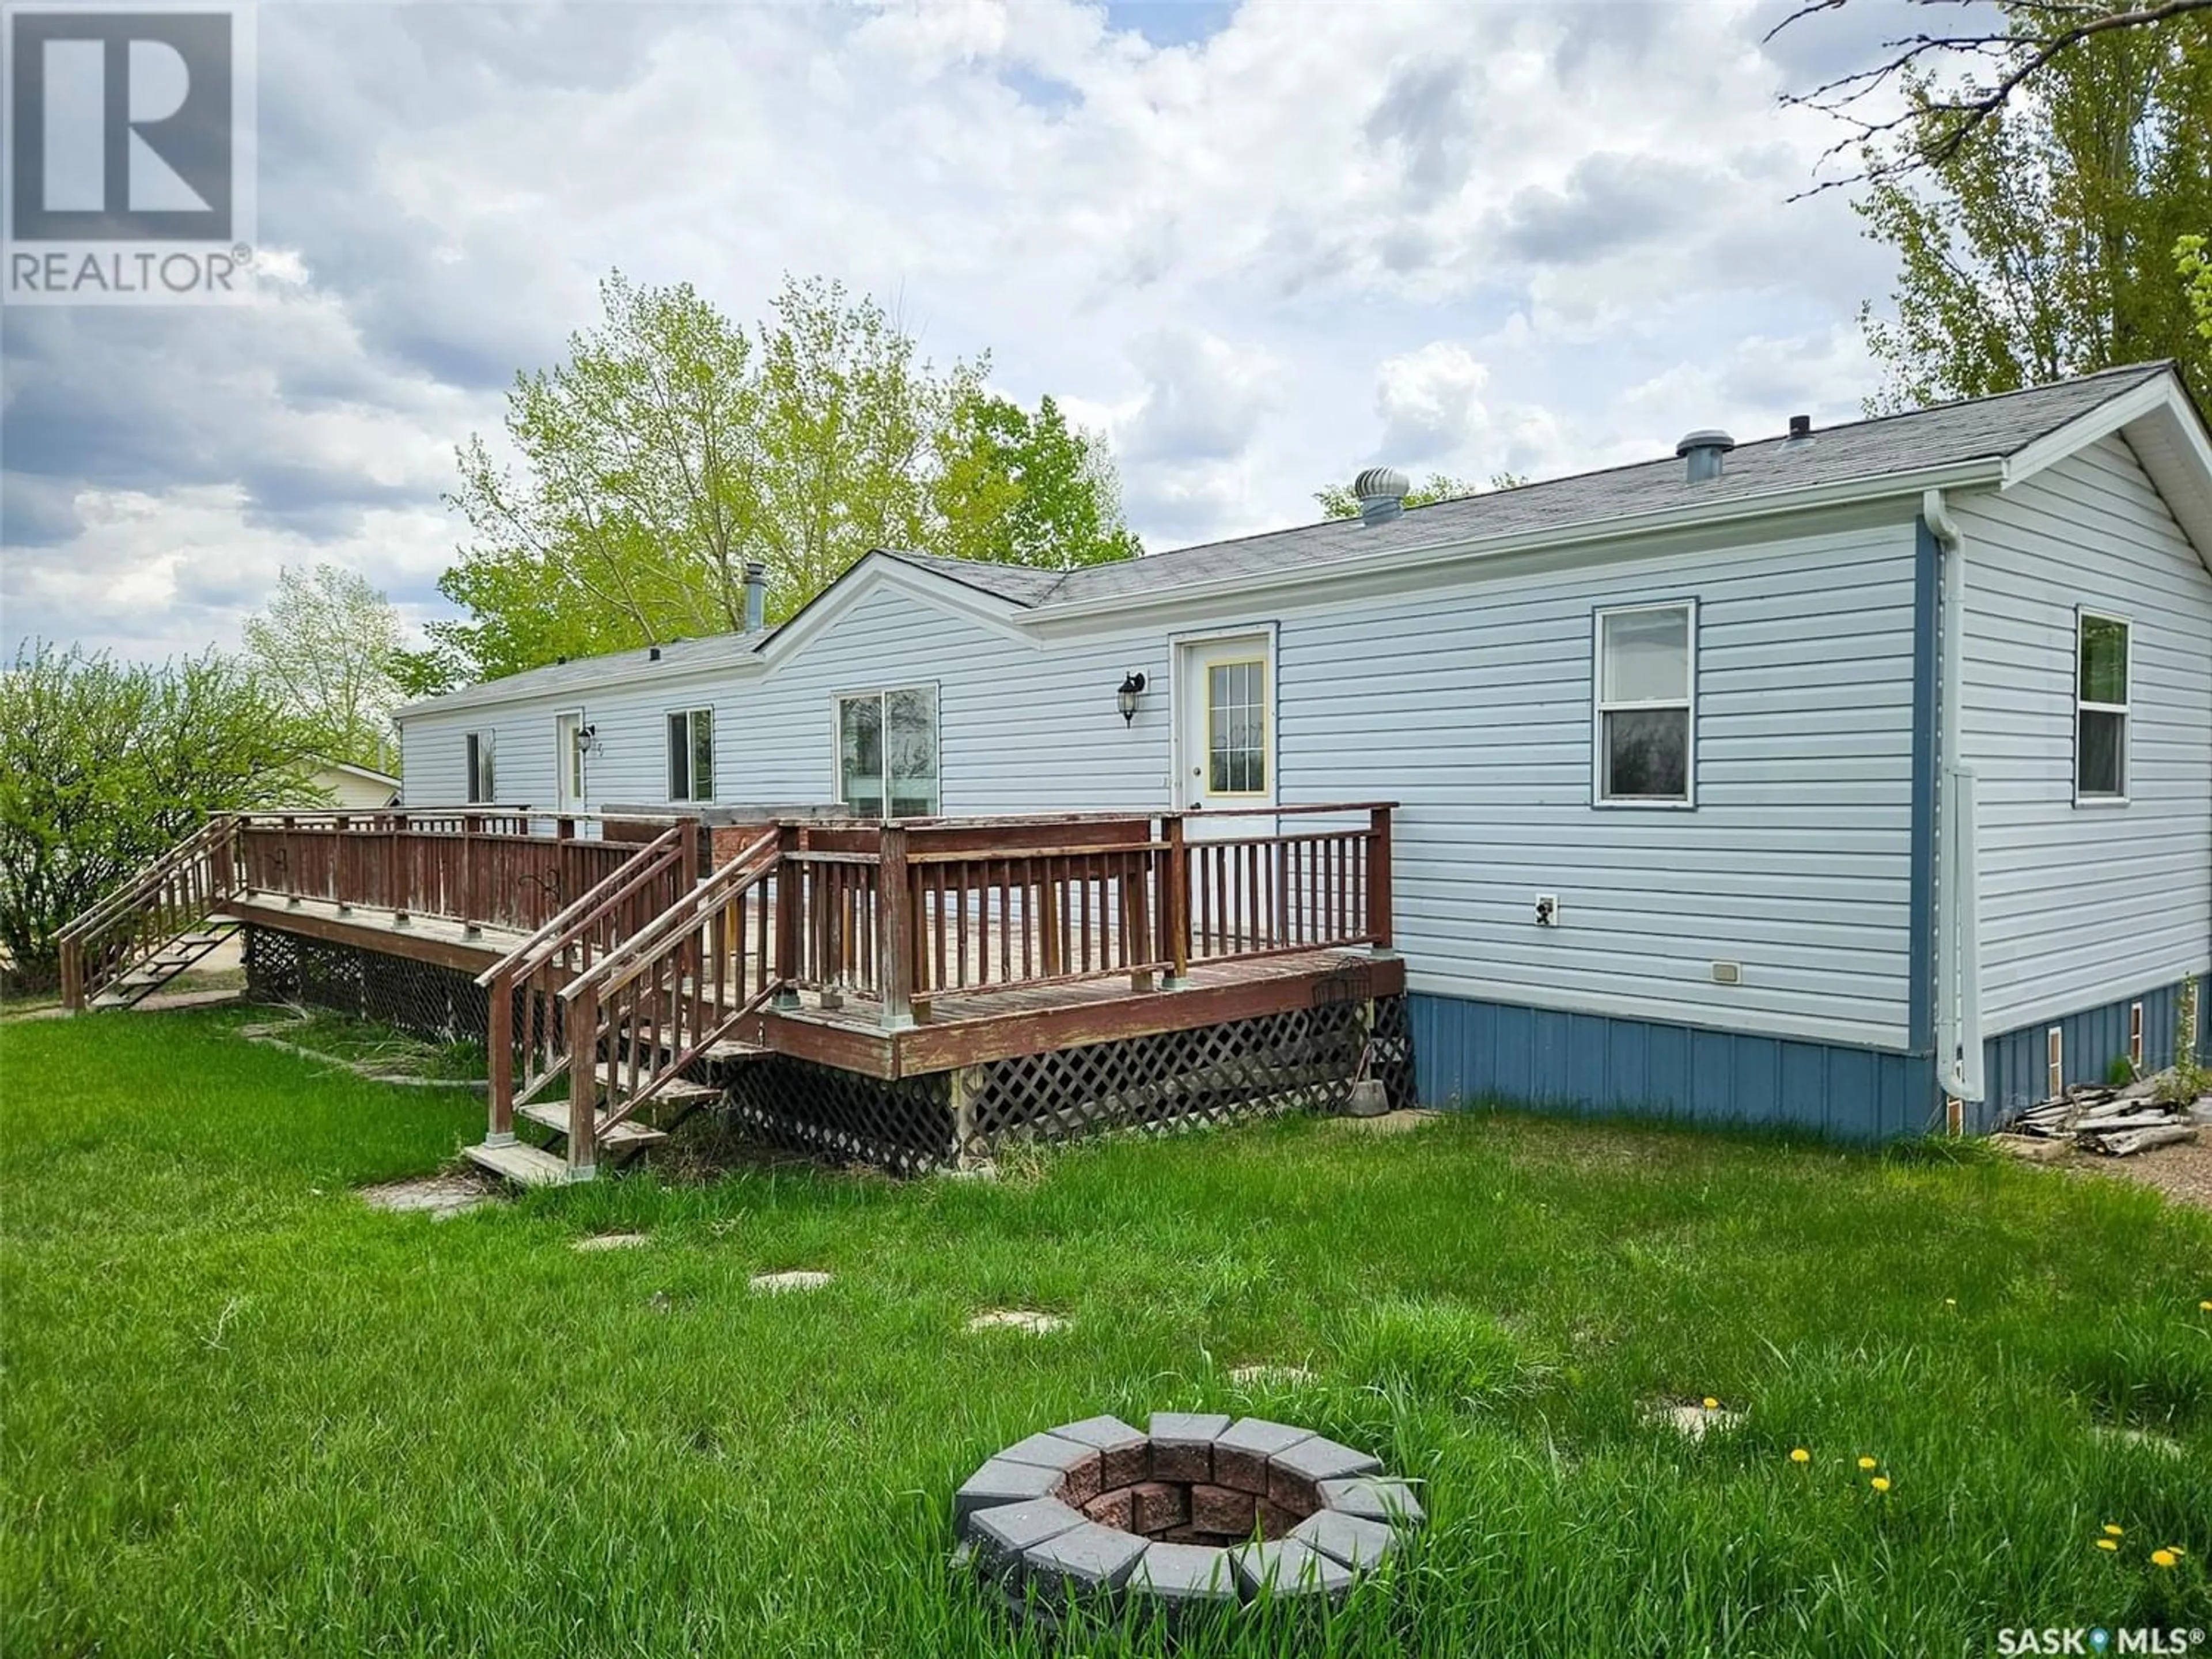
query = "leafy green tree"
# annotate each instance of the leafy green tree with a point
(2195, 264)
(672, 447)
(1337, 502)
(2041, 245)
(104, 766)
(328, 641)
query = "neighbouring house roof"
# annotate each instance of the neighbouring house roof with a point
(1838, 458)
(323, 764)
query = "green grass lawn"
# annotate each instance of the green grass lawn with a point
(243, 1414)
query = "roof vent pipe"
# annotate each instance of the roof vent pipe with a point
(756, 596)
(1800, 429)
(1704, 451)
(652, 654)
(1381, 493)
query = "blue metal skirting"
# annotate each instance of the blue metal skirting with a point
(2016, 1065)
(1467, 1051)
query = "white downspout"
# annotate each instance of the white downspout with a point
(1958, 963)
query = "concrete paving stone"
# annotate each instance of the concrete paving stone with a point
(1374, 1500)
(1001, 1482)
(784, 1284)
(1241, 1451)
(1002, 1533)
(1317, 1459)
(1159, 1505)
(1085, 1561)
(1346, 1538)
(1048, 1450)
(1185, 1573)
(1127, 1454)
(1285, 1569)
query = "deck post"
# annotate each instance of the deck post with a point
(1175, 902)
(584, 1084)
(471, 826)
(788, 883)
(395, 862)
(1137, 916)
(291, 865)
(894, 929)
(1378, 882)
(498, 1051)
(343, 870)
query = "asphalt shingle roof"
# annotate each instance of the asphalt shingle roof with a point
(1981, 429)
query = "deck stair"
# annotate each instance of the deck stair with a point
(629, 1013)
(165, 962)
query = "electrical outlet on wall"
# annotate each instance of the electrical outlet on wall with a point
(1547, 909)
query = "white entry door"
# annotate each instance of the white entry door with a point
(1226, 748)
(569, 794)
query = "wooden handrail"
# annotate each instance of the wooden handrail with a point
(615, 886)
(631, 959)
(174, 892)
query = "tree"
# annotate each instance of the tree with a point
(2042, 245)
(672, 447)
(1337, 502)
(2192, 259)
(2038, 37)
(328, 643)
(104, 766)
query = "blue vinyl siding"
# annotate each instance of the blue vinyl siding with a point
(1467, 1051)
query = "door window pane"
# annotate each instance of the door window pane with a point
(702, 753)
(1237, 728)
(860, 755)
(911, 753)
(679, 760)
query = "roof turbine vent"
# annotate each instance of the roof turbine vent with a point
(1704, 451)
(1381, 493)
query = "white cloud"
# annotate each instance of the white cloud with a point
(1515, 235)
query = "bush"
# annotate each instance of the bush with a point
(105, 765)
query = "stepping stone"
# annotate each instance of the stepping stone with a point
(441, 1197)
(784, 1284)
(2140, 1438)
(1692, 1422)
(1263, 1375)
(609, 1241)
(1018, 1319)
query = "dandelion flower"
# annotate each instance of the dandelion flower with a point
(2112, 1531)
(1799, 1455)
(1950, 1301)
(2204, 1307)
(1879, 1483)
(2106, 1544)
(1866, 1463)
(2161, 1557)
(1710, 1403)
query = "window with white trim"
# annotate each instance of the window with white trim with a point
(887, 753)
(1646, 675)
(2101, 708)
(484, 784)
(691, 754)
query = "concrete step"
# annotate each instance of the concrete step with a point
(554, 1114)
(526, 1166)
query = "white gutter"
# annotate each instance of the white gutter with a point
(1958, 963)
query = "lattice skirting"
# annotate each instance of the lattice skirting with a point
(439, 1004)
(1305, 1060)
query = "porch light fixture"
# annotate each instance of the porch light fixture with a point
(588, 740)
(1124, 698)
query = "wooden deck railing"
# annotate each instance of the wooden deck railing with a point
(177, 891)
(482, 868)
(906, 912)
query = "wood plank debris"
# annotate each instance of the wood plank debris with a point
(2110, 1120)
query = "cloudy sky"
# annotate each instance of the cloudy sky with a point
(1260, 246)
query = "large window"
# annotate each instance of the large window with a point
(2100, 708)
(1236, 727)
(1646, 676)
(483, 787)
(691, 754)
(887, 753)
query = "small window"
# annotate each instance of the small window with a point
(2100, 708)
(691, 754)
(887, 753)
(483, 787)
(1646, 673)
(1237, 728)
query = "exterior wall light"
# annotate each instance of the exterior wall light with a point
(1125, 699)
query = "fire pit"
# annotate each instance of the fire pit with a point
(1203, 1510)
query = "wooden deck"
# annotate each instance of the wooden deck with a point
(972, 1028)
